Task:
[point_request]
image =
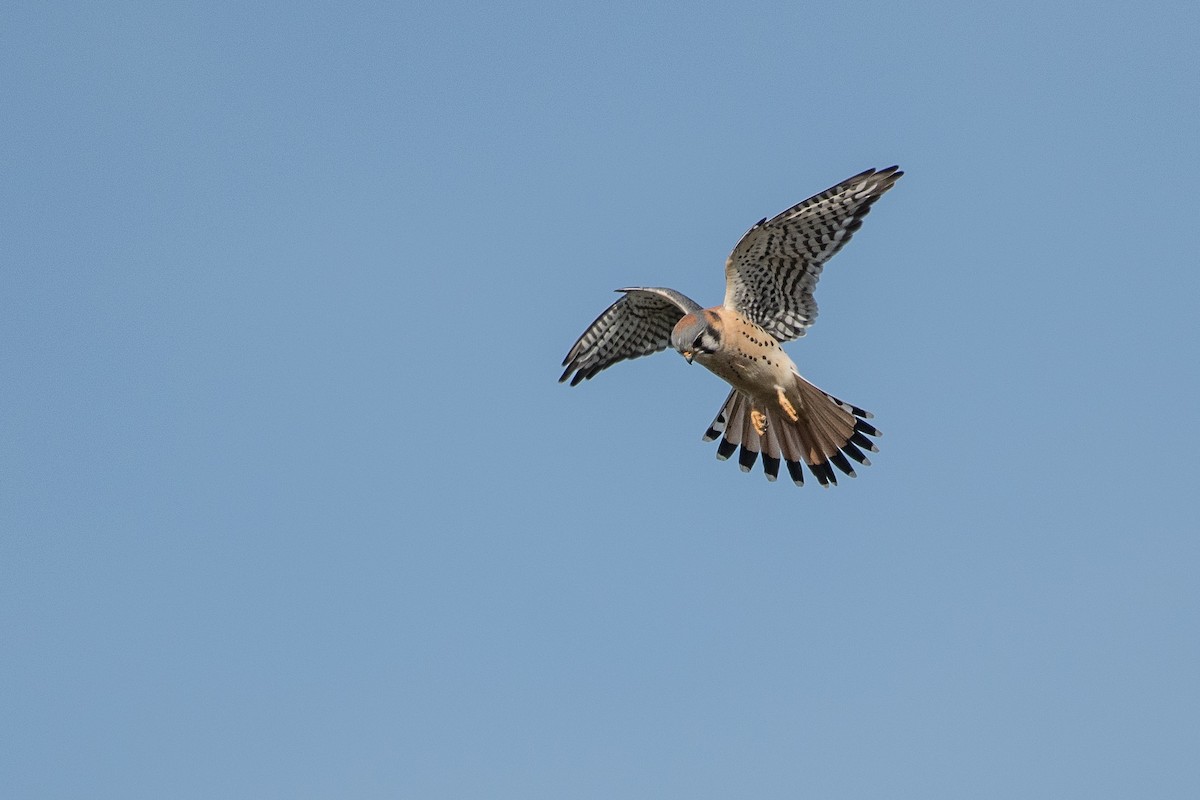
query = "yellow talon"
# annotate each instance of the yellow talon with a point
(787, 407)
(759, 420)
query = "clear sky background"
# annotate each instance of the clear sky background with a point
(291, 504)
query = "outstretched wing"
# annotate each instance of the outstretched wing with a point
(771, 274)
(638, 324)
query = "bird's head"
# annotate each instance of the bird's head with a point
(697, 334)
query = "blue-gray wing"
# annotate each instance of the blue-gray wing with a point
(638, 324)
(771, 274)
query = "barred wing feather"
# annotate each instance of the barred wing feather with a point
(771, 274)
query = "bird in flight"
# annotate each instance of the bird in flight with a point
(769, 281)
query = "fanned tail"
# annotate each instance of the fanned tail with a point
(825, 432)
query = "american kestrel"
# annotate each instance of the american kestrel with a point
(769, 282)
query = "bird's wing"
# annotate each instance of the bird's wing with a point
(638, 324)
(771, 274)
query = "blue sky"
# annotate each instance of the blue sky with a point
(291, 504)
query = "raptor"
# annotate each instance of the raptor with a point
(769, 281)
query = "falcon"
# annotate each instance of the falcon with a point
(769, 281)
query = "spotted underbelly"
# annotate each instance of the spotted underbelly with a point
(757, 374)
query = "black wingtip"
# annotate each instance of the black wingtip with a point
(841, 463)
(852, 451)
(713, 430)
(770, 467)
(865, 427)
(864, 442)
(824, 473)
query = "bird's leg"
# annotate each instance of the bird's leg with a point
(786, 405)
(759, 420)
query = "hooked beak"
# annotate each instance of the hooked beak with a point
(688, 354)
